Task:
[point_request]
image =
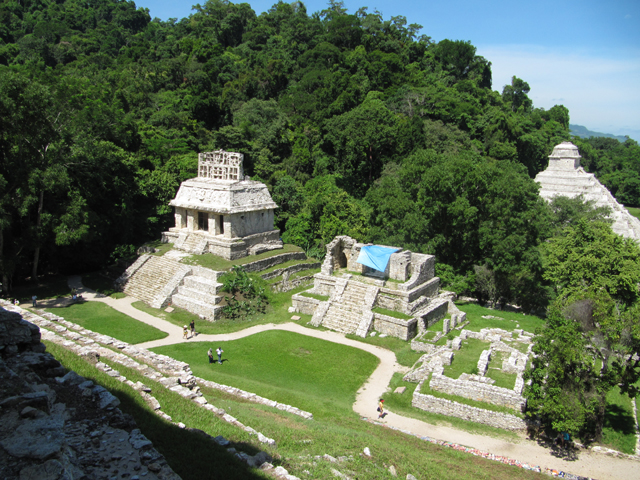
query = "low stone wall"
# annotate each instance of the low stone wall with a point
(442, 406)
(302, 304)
(265, 263)
(478, 391)
(395, 327)
(286, 285)
(432, 316)
(291, 269)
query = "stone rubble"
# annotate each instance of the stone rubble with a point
(56, 424)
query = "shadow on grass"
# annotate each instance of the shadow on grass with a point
(190, 452)
(619, 420)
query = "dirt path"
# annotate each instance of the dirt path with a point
(586, 463)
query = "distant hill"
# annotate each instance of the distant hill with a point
(583, 132)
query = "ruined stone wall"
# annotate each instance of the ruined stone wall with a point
(480, 392)
(56, 424)
(449, 408)
(423, 269)
(265, 263)
(395, 327)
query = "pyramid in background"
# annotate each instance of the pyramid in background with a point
(564, 176)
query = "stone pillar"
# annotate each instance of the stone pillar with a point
(192, 223)
(212, 223)
(180, 217)
(446, 325)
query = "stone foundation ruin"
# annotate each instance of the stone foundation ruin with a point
(223, 212)
(408, 286)
(564, 176)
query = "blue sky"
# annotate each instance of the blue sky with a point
(582, 54)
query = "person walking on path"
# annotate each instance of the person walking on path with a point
(34, 299)
(219, 351)
(381, 408)
(192, 327)
(210, 355)
(185, 331)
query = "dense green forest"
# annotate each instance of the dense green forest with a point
(358, 124)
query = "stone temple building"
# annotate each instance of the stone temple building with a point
(223, 212)
(400, 301)
(564, 176)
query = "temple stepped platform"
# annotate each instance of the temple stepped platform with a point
(344, 314)
(159, 281)
(407, 286)
(565, 177)
(150, 275)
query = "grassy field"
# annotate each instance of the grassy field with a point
(619, 432)
(466, 359)
(277, 312)
(284, 366)
(634, 211)
(298, 440)
(101, 318)
(507, 320)
(220, 264)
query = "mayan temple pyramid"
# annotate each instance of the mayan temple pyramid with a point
(564, 176)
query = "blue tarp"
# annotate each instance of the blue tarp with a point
(376, 257)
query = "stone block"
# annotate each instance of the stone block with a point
(400, 390)
(446, 325)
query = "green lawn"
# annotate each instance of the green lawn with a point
(391, 313)
(619, 432)
(298, 440)
(509, 322)
(466, 359)
(220, 264)
(295, 369)
(634, 211)
(317, 296)
(101, 318)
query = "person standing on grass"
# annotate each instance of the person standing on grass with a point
(381, 408)
(34, 299)
(210, 355)
(219, 351)
(192, 326)
(184, 333)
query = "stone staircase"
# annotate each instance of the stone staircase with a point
(153, 279)
(199, 293)
(346, 310)
(193, 242)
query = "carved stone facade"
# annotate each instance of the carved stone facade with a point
(565, 177)
(222, 211)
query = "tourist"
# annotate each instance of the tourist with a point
(381, 408)
(192, 327)
(34, 299)
(219, 351)
(16, 302)
(185, 331)
(210, 355)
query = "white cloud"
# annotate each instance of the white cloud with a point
(600, 90)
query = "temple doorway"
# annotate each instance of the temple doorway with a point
(203, 221)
